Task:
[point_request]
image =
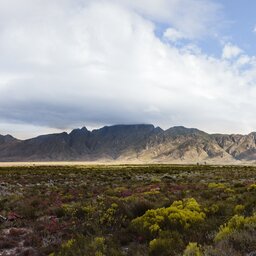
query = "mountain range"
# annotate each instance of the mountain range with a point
(140, 143)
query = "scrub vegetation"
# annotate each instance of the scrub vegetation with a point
(128, 210)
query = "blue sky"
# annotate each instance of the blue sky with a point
(241, 15)
(235, 23)
(73, 63)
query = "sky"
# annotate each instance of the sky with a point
(66, 64)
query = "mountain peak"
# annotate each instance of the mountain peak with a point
(138, 142)
(181, 130)
(83, 130)
(6, 138)
(128, 128)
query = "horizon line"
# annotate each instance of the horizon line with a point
(133, 124)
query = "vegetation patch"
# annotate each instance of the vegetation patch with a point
(156, 210)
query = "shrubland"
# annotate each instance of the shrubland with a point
(128, 210)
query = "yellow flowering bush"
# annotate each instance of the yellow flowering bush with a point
(192, 249)
(180, 215)
(70, 209)
(82, 246)
(252, 187)
(237, 222)
(68, 244)
(109, 216)
(216, 185)
(239, 209)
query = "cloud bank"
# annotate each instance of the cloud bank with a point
(66, 64)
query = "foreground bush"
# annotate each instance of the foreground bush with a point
(192, 249)
(238, 236)
(81, 246)
(128, 210)
(181, 215)
(236, 223)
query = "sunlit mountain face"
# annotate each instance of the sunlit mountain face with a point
(132, 144)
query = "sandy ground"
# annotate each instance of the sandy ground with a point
(10, 164)
(81, 163)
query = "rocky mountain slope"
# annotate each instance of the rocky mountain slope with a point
(132, 143)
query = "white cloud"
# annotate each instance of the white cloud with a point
(173, 35)
(21, 130)
(192, 18)
(230, 51)
(68, 63)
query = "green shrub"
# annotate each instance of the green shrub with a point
(192, 249)
(83, 246)
(161, 246)
(212, 209)
(239, 209)
(236, 223)
(181, 215)
(252, 187)
(216, 185)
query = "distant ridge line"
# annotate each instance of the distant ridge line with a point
(132, 143)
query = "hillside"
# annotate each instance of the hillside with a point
(132, 143)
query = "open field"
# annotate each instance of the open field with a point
(132, 210)
(116, 162)
(69, 163)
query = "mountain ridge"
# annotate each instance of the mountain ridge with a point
(129, 143)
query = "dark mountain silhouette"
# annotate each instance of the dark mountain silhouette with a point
(132, 143)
